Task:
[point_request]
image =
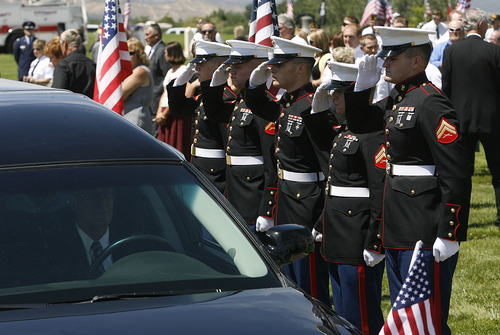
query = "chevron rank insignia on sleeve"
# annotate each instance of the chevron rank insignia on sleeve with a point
(446, 132)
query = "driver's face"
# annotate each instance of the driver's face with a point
(94, 209)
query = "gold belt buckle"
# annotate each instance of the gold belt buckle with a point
(280, 173)
(193, 150)
(228, 160)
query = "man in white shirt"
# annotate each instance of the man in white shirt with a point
(351, 39)
(495, 25)
(437, 25)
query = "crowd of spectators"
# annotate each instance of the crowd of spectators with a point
(62, 62)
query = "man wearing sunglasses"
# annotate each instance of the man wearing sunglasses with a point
(456, 33)
(208, 32)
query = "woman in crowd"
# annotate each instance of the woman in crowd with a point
(41, 70)
(173, 129)
(319, 39)
(138, 88)
(53, 51)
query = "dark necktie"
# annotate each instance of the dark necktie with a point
(95, 251)
(437, 31)
(34, 67)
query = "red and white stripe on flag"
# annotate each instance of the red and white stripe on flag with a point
(463, 5)
(428, 12)
(412, 312)
(415, 319)
(113, 61)
(372, 7)
(263, 25)
(126, 14)
(289, 8)
(389, 12)
(263, 22)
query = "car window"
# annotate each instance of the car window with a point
(158, 229)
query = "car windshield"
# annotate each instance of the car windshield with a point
(160, 230)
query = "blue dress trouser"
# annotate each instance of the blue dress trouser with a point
(357, 292)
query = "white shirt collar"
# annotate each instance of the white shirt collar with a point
(87, 241)
(474, 34)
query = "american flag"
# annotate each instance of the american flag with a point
(428, 13)
(289, 8)
(126, 15)
(463, 5)
(322, 14)
(388, 12)
(413, 310)
(376, 7)
(113, 61)
(263, 22)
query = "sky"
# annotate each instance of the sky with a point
(490, 6)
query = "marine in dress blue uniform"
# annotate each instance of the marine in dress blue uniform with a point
(351, 217)
(209, 137)
(301, 181)
(427, 185)
(23, 50)
(250, 163)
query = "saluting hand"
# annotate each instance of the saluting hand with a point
(260, 75)
(187, 74)
(368, 73)
(322, 99)
(220, 75)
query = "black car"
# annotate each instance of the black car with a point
(173, 256)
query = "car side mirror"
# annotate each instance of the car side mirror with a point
(288, 243)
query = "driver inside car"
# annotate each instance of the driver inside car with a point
(77, 244)
(94, 211)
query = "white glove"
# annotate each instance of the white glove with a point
(318, 237)
(372, 258)
(444, 249)
(220, 75)
(322, 99)
(260, 74)
(263, 224)
(368, 73)
(185, 75)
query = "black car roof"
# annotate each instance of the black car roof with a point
(39, 125)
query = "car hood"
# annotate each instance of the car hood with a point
(260, 311)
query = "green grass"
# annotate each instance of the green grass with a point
(476, 286)
(8, 67)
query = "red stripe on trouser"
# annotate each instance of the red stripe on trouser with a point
(437, 300)
(362, 299)
(312, 274)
